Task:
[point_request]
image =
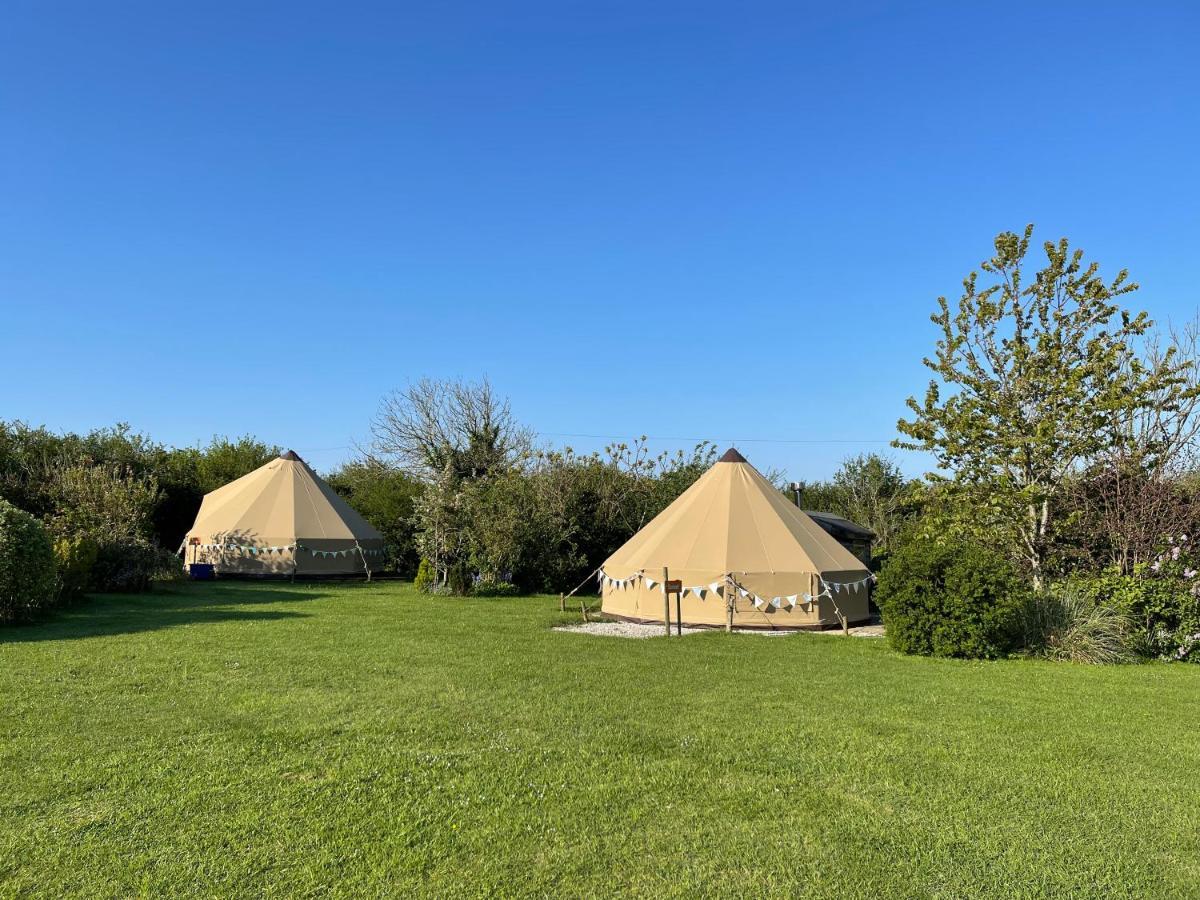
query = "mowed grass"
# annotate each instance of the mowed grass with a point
(241, 739)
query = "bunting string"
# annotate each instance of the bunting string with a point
(828, 589)
(256, 550)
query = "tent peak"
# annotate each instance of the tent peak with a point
(731, 455)
(291, 456)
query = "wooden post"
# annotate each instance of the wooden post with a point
(583, 609)
(562, 603)
(666, 603)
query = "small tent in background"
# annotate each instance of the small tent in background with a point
(733, 534)
(281, 519)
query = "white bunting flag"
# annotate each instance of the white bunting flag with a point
(650, 582)
(757, 602)
(715, 586)
(699, 592)
(791, 600)
(776, 602)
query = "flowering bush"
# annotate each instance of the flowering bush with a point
(1173, 623)
(1161, 597)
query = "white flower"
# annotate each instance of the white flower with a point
(1189, 573)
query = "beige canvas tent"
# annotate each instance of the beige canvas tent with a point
(282, 519)
(732, 535)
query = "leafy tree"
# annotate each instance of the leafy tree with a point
(868, 489)
(874, 494)
(225, 460)
(1035, 375)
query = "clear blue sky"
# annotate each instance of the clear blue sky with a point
(679, 219)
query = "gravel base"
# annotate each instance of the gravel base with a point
(639, 630)
(863, 631)
(623, 629)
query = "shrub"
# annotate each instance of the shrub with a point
(129, 566)
(75, 557)
(487, 587)
(1065, 624)
(951, 598)
(426, 577)
(27, 576)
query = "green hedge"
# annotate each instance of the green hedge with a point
(951, 598)
(27, 574)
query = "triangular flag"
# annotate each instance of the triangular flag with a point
(776, 602)
(808, 598)
(650, 582)
(699, 592)
(743, 592)
(791, 599)
(757, 602)
(715, 586)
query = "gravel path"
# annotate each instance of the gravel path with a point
(623, 629)
(638, 630)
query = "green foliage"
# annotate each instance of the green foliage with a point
(487, 587)
(130, 565)
(1066, 624)
(951, 598)
(868, 489)
(386, 497)
(426, 577)
(75, 557)
(1161, 598)
(27, 576)
(103, 502)
(112, 507)
(1035, 377)
(31, 457)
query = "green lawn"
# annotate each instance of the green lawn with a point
(268, 739)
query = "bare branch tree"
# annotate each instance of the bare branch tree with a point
(460, 428)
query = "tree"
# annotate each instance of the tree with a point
(1033, 378)
(457, 428)
(874, 494)
(448, 434)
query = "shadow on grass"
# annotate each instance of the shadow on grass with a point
(109, 614)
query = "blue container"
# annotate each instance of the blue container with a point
(201, 571)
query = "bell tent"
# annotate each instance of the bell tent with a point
(282, 519)
(734, 537)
